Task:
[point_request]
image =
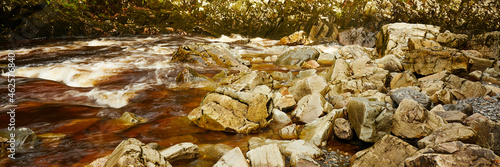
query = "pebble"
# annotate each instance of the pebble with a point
(486, 106)
(334, 158)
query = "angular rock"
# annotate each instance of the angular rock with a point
(393, 38)
(488, 44)
(267, 155)
(412, 121)
(448, 133)
(188, 75)
(318, 131)
(132, 152)
(390, 63)
(426, 61)
(407, 93)
(301, 160)
(297, 38)
(232, 158)
(310, 64)
(449, 116)
(488, 132)
(479, 64)
(342, 129)
(131, 118)
(181, 151)
(297, 56)
(208, 55)
(454, 154)
(463, 89)
(404, 79)
(354, 52)
(283, 99)
(99, 162)
(358, 36)
(309, 85)
(371, 120)
(449, 39)
(464, 108)
(310, 107)
(415, 43)
(256, 142)
(248, 81)
(327, 58)
(213, 152)
(323, 31)
(289, 132)
(341, 70)
(301, 147)
(389, 151)
(280, 117)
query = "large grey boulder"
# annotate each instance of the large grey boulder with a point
(298, 56)
(413, 121)
(371, 120)
(399, 95)
(132, 152)
(232, 158)
(390, 151)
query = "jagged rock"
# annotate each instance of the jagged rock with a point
(222, 74)
(289, 132)
(488, 132)
(393, 38)
(412, 120)
(358, 36)
(342, 129)
(310, 64)
(371, 120)
(415, 43)
(256, 142)
(307, 86)
(301, 147)
(213, 152)
(310, 107)
(447, 133)
(478, 63)
(449, 116)
(475, 76)
(280, 117)
(280, 76)
(464, 89)
(181, 151)
(232, 158)
(208, 55)
(327, 58)
(307, 73)
(354, 52)
(488, 44)
(454, 154)
(426, 61)
(297, 38)
(24, 139)
(99, 162)
(257, 60)
(188, 75)
(404, 79)
(390, 63)
(247, 81)
(297, 56)
(389, 151)
(462, 107)
(399, 95)
(131, 118)
(283, 99)
(449, 39)
(267, 155)
(132, 152)
(323, 31)
(341, 70)
(318, 131)
(301, 160)
(154, 145)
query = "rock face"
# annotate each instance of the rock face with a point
(310, 107)
(232, 158)
(426, 61)
(371, 120)
(308, 85)
(358, 36)
(407, 93)
(390, 151)
(267, 155)
(393, 38)
(448, 133)
(132, 152)
(342, 129)
(181, 151)
(297, 56)
(411, 120)
(207, 55)
(454, 154)
(318, 131)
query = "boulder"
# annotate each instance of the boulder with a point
(390, 63)
(393, 38)
(426, 61)
(318, 131)
(341, 71)
(342, 129)
(354, 52)
(188, 75)
(488, 44)
(404, 79)
(328, 58)
(371, 120)
(283, 99)
(311, 64)
(413, 121)
(389, 151)
(248, 81)
(301, 160)
(301, 147)
(256, 142)
(415, 43)
(267, 155)
(462, 107)
(280, 117)
(488, 132)
(181, 151)
(297, 38)
(99, 162)
(358, 36)
(298, 56)
(399, 95)
(232, 158)
(454, 154)
(452, 40)
(289, 132)
(449, 116)
(463, 89)
(132, 152)
(213, 152)
(448, 133)
(308, 85)
(323, 31)
(479, 64)
(208, 55)
(310, 107)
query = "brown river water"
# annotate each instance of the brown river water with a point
(77, 88)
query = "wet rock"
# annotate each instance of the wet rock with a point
(407, 93)
(289, 132)
(452, 40)
(51, 139)
(25, 139)
(300, 160)
(426, 61)
(256, 142)
(404, 79)
(298, 56)
(309, 85)
(267, 155)
(131, 118)
(213, 152)
(389, 151)
(297, 38)
(488, 44)
(393, 38)
(301, 147)
(448, 133)
(488, 131)
(411, 120)
(310, 107)
(464, 108)
(327, 58)
(358, 36)
(188, 75)
(449, 116)
(390, 63)
(181, 151)
(248, 81)
(371, 120)
(280, 117)
(415, 43)
(208, 55)
(132, 152)
(310, 64)
(342, 129)
(283, 99)
(232, 158)
(222, 74)
(454, 154)
(318, 131)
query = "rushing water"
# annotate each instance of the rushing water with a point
(79, 87)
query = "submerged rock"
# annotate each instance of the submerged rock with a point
(25, 139)
(131, 118)
(188, 75)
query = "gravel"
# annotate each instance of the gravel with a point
(334, 158)
(486, 106)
